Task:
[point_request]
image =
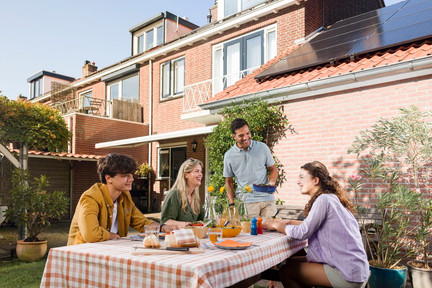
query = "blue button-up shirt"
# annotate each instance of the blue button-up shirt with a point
(333, 237)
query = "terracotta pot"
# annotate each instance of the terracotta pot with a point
(31, 251)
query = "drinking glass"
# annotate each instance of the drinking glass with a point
(152, 229)
(215, 234)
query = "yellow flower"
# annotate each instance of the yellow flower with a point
(222, 189)
(210, 189)
(248, 189)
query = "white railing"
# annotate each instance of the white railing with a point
(199, 93)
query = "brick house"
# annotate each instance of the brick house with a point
(148, 105)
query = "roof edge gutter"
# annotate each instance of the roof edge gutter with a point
(383, 74)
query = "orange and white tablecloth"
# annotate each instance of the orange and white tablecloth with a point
(110, 264)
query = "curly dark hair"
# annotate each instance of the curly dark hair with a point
(114, 164)
(237, 124)
(328, 186)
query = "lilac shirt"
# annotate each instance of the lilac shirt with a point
(333, 238)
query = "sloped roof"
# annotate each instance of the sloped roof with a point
(63, 155)
(250, 85)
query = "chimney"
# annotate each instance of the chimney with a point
(213, 13)
(20, 97)
(88, 68)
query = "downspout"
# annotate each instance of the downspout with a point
(150, 108)
(24, 166)
(71, 188)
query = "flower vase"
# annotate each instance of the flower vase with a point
(209, 207)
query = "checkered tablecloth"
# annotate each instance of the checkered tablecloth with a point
(110, 264)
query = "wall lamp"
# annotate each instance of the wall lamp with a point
(194, 145)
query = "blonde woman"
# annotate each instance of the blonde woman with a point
(182, 204)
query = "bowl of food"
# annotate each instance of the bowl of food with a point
(231, 231)
(199, 231)
(264, 188)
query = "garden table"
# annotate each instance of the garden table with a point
(110, 264)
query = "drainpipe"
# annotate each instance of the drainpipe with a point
(150, 108)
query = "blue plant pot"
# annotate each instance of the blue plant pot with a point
(387, 278)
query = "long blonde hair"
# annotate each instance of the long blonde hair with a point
(180, 185)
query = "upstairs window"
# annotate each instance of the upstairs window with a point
(172, 78)
(125, 89)
(238, 57)
(231, 7)
(36, 88)
(149, 39)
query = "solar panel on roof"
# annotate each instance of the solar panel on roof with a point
(401, 23)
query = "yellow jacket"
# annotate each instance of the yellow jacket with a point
(93, 216)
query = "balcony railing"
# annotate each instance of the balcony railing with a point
(199, 93)
(87, 105)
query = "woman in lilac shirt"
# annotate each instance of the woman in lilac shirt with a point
(336, 256)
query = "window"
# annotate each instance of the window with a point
(233, 6)
(140, 43)
(36, 88)
(126, 89)
(172, 77)
(236, 58)
(149, 39)
(85, 98)
(170, 160)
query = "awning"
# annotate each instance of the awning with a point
(137, 141)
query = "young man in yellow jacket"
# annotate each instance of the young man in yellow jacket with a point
(106, 210)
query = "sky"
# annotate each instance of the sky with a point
(59, 35)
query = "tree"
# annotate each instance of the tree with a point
(35, 125)
(32, 126)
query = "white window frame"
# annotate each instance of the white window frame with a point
(33, 88)
(119, 81)
(81, 97)
(221, 8)
(220, 47)
(172, 79)
(144, 34)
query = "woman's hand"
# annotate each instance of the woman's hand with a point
(268, 224)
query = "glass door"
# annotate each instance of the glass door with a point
(178, 156)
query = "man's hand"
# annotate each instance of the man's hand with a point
(169, 228)
(114, 236)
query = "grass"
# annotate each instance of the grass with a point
(15, 273)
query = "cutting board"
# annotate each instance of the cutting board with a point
(140, 250)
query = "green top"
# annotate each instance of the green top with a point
(172, 210)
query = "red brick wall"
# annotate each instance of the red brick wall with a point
(89, 130)
(328, 124)
(98, 90)
(84, 175)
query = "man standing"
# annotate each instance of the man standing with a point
(248, 161)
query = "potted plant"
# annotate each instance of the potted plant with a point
(385, 239)
(405, 142)
(144, 170)
(30, 205)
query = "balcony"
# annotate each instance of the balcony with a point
(115, 109)
(199, 93)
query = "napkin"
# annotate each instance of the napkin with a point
(232, 243)
(184, 236)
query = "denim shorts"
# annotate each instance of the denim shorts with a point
(337, 281)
